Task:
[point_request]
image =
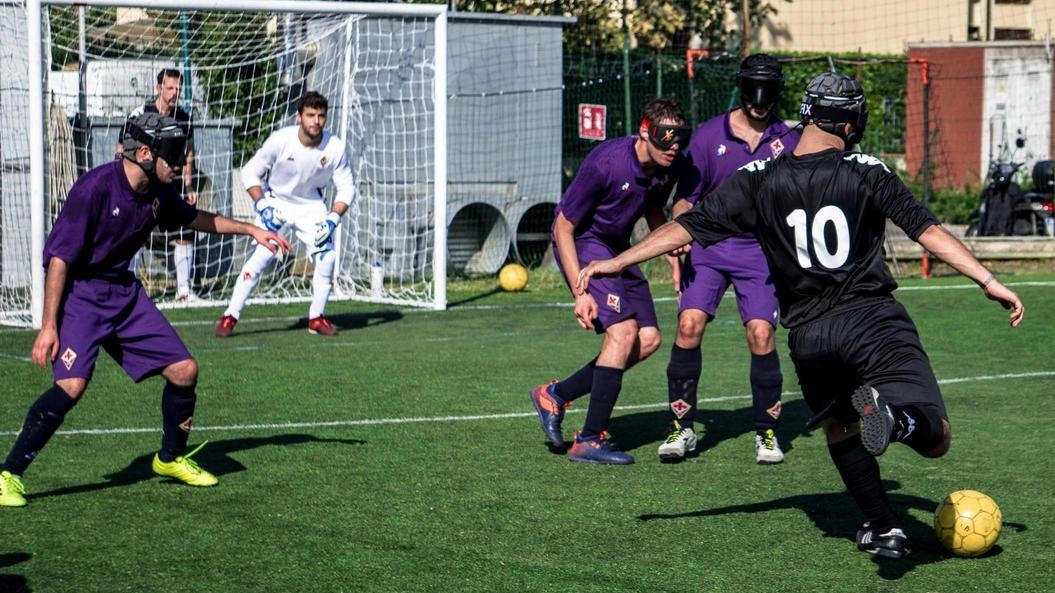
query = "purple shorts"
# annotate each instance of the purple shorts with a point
(121, 318)
(618, 297)
(708, 271)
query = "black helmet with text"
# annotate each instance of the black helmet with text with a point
(831, 100)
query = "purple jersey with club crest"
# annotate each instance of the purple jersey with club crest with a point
(611, 191)
(104, 223)
(609, 194)
(99, 230)
(717, 153)
(707, 272)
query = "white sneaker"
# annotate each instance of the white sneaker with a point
(767, 448)
(679, 442)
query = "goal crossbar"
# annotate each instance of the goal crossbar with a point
(308, 6)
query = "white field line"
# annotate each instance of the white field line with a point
(476, 417)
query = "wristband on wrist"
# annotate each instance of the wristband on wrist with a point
(334, 218)
(987, 281)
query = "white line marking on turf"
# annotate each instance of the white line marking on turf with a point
(16, 357)
(418, 420)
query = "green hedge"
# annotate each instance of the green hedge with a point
(595, 76)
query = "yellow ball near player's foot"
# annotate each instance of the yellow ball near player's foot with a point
(513, 277)
(968, 522)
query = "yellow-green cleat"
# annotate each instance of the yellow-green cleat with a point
(11, 490)
(184, 469)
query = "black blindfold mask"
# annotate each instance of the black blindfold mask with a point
(665, 136)
(173, 150)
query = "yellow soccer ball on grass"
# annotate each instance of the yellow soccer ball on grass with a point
(968, 522)
(513, 277)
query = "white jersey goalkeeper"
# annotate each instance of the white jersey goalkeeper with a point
(286, 179)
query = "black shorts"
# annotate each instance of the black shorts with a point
(875, 344)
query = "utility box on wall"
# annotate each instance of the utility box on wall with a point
(980, 98)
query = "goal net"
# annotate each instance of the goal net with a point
(381, 67)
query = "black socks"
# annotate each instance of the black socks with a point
(607, 382)
(766, 384)
(44, 418)
(683, 378)
(860, 473)
(177, 411)
(578, 384)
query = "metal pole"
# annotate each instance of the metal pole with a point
(925, 79)
(926, 143)
(81, 127)
(628, 114)
(745, 7)
(439, 97)
(659, 74)
(35, 131)
(184, 29)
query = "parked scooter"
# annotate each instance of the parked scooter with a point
(1035, 213)
(998, 203)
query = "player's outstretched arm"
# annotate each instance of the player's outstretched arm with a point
(662, 240)
(217, 224)
(946, 247)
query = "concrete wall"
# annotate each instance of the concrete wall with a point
(982, 95)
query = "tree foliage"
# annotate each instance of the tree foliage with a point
(655, 25)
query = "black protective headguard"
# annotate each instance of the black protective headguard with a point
(832, 99)
(162, 134)
(760, 80)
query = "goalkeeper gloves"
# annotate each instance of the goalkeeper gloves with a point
(324, 230)
(269, 215)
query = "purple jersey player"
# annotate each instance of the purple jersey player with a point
(620, 180)
(93, 301)
(719, 147)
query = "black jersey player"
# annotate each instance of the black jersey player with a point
(820, 215)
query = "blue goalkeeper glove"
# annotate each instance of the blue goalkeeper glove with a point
(324, 230)
(269, 215)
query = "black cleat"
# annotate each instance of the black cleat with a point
(889, 544)
(877, 420)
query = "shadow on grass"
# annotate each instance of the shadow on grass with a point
(215, 457)
(341, 321)
(13, 583)
(466, 301)
(836, 515)
(631, 431)
(350, 321)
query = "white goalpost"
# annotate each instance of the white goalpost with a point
(244, 64)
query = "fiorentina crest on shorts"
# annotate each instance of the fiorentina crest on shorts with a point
(68, 357)
(613, 302)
